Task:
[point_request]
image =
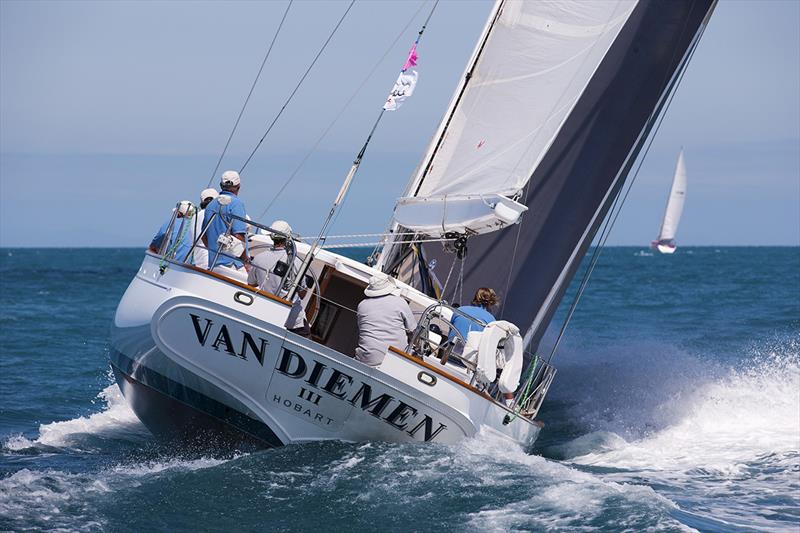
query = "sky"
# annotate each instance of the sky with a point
(110, 112)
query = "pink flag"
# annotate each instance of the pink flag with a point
(412, 58)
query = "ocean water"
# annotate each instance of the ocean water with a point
(676, 407)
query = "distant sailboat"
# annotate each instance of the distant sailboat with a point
(672, 215)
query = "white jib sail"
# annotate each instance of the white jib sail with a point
(529, 74)
(677, 196)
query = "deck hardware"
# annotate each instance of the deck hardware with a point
(243, 298)
(427, 379)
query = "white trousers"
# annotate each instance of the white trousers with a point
(230, 271)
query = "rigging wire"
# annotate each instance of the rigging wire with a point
(249, 94)
(299, 83)
(612, 218)
(339, 115)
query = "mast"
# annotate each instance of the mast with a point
(403, 87)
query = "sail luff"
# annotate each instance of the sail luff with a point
(414, 184)
(388, 252)
(534, 64)
(677, 197)
(572, 188)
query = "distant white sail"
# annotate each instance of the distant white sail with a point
(677, 196)
(527, 73)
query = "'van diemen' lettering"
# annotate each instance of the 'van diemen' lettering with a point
(223, 341)
(341, 386)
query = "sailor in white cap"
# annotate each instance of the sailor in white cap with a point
(200, 253)
(180, 239)
(270, 268)
(384, 319)
(230, 262)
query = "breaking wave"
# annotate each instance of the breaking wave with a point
(115, 421)
(688, 426)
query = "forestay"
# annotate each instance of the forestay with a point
(528, 71)
(677, 196)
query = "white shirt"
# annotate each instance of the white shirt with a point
(262, 275)
(200, 254)
(383, 321)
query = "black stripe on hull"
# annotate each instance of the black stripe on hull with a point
(175, 413)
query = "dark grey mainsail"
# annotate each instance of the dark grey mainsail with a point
(581, 170)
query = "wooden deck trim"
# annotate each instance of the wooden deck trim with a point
(239, 284)
(440, 372)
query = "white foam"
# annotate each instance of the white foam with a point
(115, 417)
(727, 423)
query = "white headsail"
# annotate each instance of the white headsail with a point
(526, 75)
(677, 196)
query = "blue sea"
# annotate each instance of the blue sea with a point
(676, 407)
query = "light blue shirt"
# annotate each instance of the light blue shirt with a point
(464, 326)
(181, 234)
(220, 225)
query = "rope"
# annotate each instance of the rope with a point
(338, 116)
(162, 266)
(447, 280)
(369, 235)
(526, 392)
(612, 218)
(299, 83)
(366, 244)
(246, 100)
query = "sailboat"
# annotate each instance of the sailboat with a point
(665, 243)
(556, 102)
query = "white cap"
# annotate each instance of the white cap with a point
(281, 226)
(230, 177)
(186, 208)
(208, 193)
(380, 285)
(258, 243)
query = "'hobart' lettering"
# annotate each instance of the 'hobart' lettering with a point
(338, 384)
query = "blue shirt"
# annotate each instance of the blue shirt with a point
(220, 225)
(464, 326)
(181, 234)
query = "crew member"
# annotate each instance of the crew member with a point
(223, 256)
(384, 319)
(482, 303)
(180, 239)
(200, 254)
(270, 268)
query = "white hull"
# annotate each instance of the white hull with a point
(187, 341)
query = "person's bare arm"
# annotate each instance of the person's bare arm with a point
(244, 257)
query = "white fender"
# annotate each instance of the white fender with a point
(472, 346)
(491, 336)
(512, 352)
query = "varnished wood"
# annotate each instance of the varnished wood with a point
(239, 284)
(440, 372)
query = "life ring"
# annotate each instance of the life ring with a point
(490, 353)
